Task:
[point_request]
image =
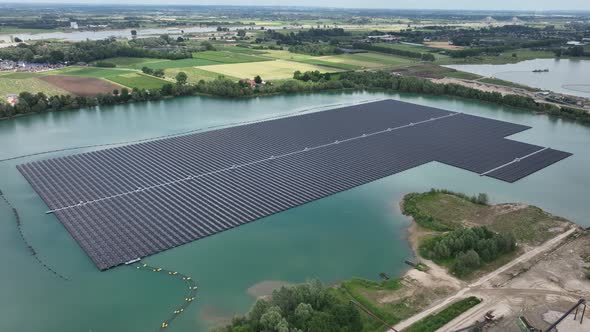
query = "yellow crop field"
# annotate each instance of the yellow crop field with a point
(268, 70)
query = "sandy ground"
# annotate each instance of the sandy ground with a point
(444, 45)
(265, 288)
(540, 285)
(488, 87)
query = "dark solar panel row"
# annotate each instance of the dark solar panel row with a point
(235, 180)
(529, 165)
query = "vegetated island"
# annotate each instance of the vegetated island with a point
(472, 258)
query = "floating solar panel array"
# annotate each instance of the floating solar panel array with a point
(133, 201)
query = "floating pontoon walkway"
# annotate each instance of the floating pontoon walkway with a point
(133, 201)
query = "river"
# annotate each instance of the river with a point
(569, 76)
(80, 35)
(360, 232)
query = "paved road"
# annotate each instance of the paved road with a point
(479, 282)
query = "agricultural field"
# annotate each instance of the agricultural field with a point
(227, 57)
(506, 57)
(443, 45)
(429, 70)
(14, 83)
(243, 50)
(165, 64)
(310, 59)
(277, 69)
(199, 59)
(138, 80)
(81, 86)
(129, 61)
(407, 47)
(89, 72)
(369, 60)
(126, 77)
(194, 74)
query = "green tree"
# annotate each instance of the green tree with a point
(482, 198)
(125, 94)
(208, 46)
(181, 78)
(272, 320)
(147, 70)
(258, 79)
(159, 72)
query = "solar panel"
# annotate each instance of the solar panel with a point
(133, 201)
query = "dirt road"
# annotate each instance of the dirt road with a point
(476, 287)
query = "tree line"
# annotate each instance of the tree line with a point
(497, 49)
(467, 248)
(90, 50)
(305, 307)
(391, 50)
(224, 87)
(311, 35)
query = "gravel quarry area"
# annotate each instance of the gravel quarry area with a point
(540, 289)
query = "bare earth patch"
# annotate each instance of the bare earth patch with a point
(444, 45)
(81, 86)
(265, 288)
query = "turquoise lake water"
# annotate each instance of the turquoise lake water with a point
(357, 233)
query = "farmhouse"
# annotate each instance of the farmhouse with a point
(12, 99)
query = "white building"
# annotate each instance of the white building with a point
(12, 99)
(74, 25)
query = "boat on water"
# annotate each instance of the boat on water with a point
(541, 71)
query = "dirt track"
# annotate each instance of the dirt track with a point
(526, 284)
(81, 86)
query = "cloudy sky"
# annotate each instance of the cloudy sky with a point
(537, 5)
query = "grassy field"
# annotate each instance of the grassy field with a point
(313, 60)
(131, 62)
(528, 223)
(137, 80)
(506, 57)
(391, 300)
(268, 70)
(429, 70)
(166, 64)
(125, 77)
(199, 59)
(194, 74)
(19, 76)
(369, 60)
(227, 57)
(90, 72)
(406, 47)
(32, 85)
(242, 50)
(438, 320)
(286, 55)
